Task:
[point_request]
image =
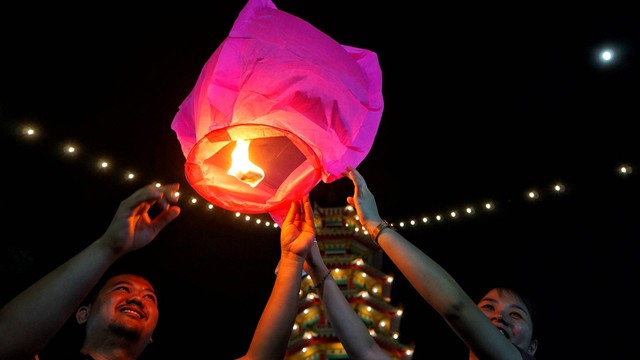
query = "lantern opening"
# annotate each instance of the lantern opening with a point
(287, 166)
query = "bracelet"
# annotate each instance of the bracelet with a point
(378, 230)
(322, 281)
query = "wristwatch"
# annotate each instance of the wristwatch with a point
(375, 234)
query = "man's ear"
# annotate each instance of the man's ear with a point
(82, 314)
(533, 347)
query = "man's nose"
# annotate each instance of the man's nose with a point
(135, 299)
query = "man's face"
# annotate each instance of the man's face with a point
(126, 306)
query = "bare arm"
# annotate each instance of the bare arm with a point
(272, 334)
(432, 282)
(30, 320)
(349, 328)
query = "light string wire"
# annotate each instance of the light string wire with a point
(30, 134)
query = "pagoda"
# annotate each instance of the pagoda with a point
(355, 263)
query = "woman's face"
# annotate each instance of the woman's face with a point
(510, 315)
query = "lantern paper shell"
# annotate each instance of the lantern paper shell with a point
(309, 106)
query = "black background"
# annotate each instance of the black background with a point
(481, 104)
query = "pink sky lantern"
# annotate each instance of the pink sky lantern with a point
(278, 107)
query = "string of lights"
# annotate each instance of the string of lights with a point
(30, 133)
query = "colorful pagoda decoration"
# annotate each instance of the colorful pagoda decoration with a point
(355, 263)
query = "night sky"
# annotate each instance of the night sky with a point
(480, 104)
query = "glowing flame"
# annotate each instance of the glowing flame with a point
(242, 168)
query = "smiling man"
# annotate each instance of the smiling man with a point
(120, 315)
(123, 312)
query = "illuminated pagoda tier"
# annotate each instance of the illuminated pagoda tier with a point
(355, 264)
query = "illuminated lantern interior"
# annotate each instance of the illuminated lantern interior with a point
(287, 167)
(301, 106)
(241, 166)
